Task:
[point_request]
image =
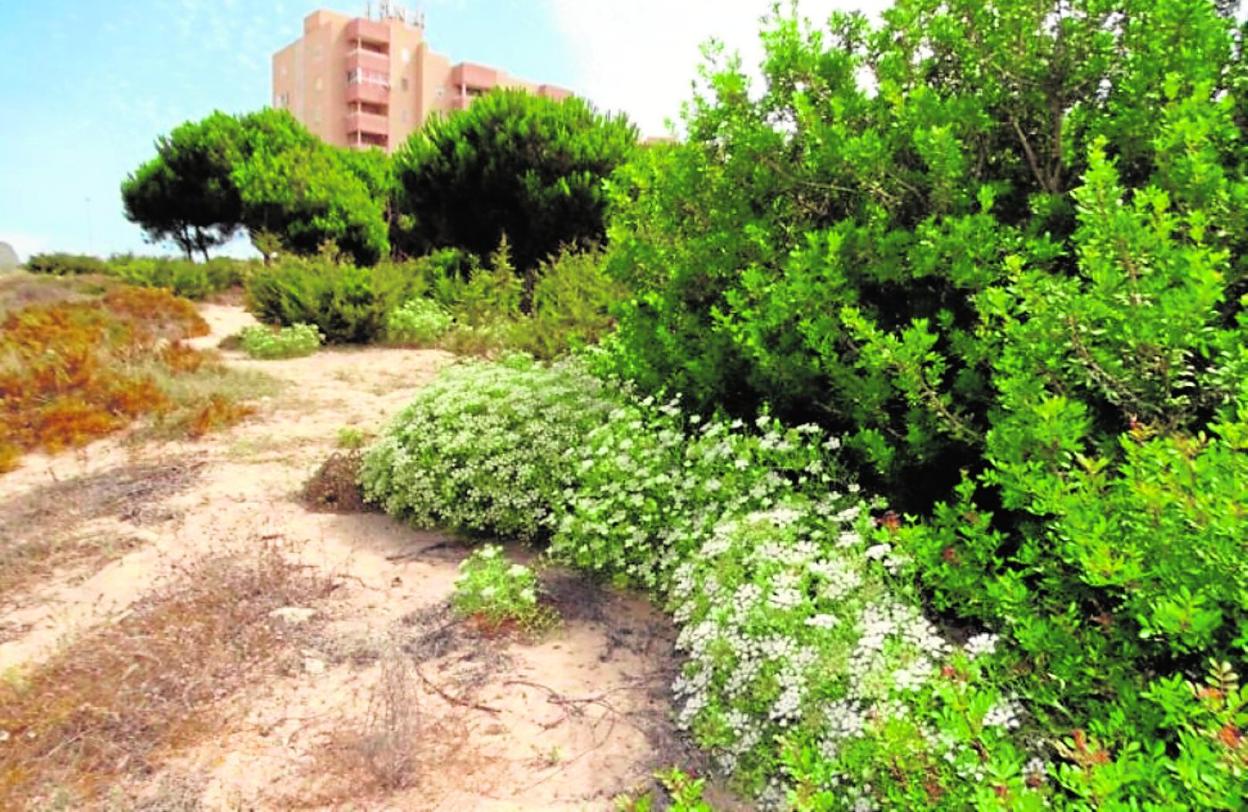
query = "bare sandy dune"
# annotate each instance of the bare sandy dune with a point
(389, 702)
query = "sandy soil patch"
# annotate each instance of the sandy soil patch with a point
(384, 700)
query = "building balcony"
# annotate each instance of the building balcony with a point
(368, 93)
(368, 124)
(360, 59)
(368, 31)
(477, 77)
(459, 101)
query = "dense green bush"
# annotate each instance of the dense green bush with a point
(61, 264)
(347, 303)
(654, 484)
(513, 164)
(484, 448)
(191, 280)
(793, 227)
(280, 342)
(1008, 269)
(570, 305)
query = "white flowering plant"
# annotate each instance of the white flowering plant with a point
(264, 342)
(418, 321)
(653, 483)
(487, 447)
(495, 591)
(951, 742)
(812, 674)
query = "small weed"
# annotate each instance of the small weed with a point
(352, 438)
(281, 342)
(498, 593)
(685, 794)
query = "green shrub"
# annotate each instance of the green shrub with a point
(281, 342)
(570, 305)
(185, 278)
(1020, 300)
(484, 447)
(417, 321)
(61, 264)
(496, 591)
(348, 304)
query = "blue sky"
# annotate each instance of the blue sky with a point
(85, 87)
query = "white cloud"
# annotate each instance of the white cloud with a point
(641, 56)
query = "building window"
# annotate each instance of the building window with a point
(404, 83)
(319, 84)
(407, 56)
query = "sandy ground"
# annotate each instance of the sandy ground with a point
(502, 724)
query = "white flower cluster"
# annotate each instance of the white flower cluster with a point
(980, 645)
(787, 621)
(1005, 715)
(485, 446)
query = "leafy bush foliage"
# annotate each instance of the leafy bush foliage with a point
(61, 264)
(418, 321)
(496, 592)
(347, 303)
(570, 305)
(182, 277)
(280, 342)
(190, 280)
(512, 164)
(484, 447)
(650, 494)
(1007, 269)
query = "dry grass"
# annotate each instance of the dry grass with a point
(39, 530)
(392, 730)
(391, 749)
(114, 704)
(75, 370)
(21, 289)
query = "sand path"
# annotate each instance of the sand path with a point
(565, 723)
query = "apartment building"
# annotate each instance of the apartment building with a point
(369, 81)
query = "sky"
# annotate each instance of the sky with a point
(86, 86)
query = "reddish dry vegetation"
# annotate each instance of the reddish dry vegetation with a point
(71, 372)
(115, 704)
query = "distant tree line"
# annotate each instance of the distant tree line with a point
(515, 165)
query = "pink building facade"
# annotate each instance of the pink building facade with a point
(370, 81)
